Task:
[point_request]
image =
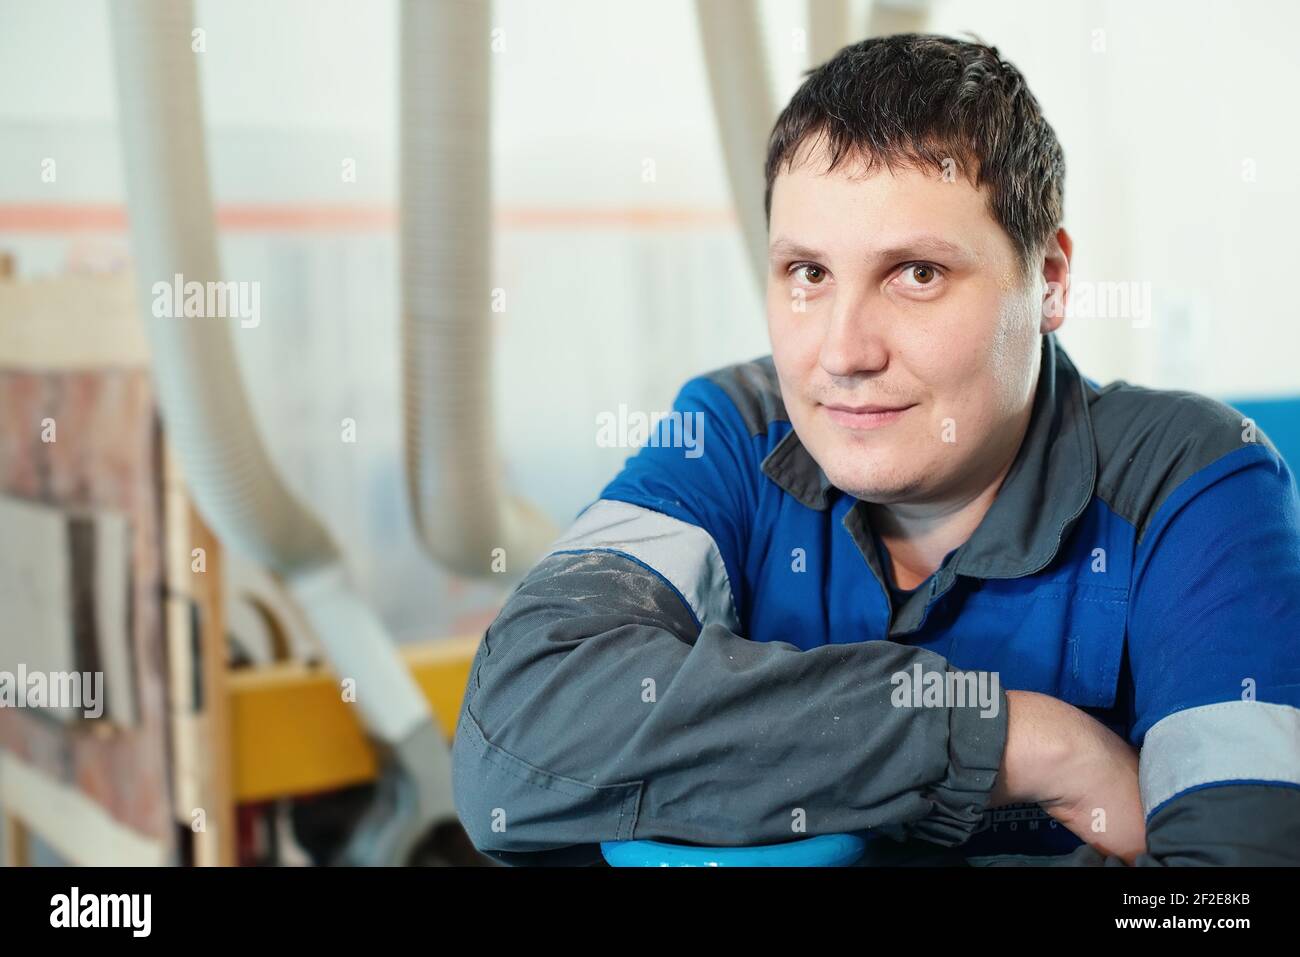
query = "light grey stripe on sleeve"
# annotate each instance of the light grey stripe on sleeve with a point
(1233, 741)
(684, 554)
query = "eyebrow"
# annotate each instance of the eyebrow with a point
(912, 246)
(783, 248)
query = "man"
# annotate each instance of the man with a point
(924, 580)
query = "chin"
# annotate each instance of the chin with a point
(874, 481)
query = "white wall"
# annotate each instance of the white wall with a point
(1156, 127)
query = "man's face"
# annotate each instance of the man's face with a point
(899, 291)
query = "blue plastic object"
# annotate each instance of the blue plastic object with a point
(824, 850)
(1280, 419)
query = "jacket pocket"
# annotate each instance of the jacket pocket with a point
(1064, 640)
(1094, 648)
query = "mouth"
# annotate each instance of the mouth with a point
(864, 417)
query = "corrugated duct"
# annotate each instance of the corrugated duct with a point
(453, 471)
(210, 425)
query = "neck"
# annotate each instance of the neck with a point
(918, 535)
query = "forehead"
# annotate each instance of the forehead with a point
(853, 207)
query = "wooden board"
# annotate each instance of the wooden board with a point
(65, 595)
(72, 322)
(198, 660)
(105, 455)
(69, 822)
(73, 352)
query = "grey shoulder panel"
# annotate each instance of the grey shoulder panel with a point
(754, 388)
(684, 555)
(1150, 441)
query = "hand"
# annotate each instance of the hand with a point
(1081, 772)
(1101, 802)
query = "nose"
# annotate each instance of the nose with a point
(854, 340)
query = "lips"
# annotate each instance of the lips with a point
(868, 409)
(863, 417)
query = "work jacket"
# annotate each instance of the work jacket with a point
(715, 651)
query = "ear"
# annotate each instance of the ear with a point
(1056, 280)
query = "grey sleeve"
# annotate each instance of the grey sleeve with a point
(600, 707)
(1231, 825)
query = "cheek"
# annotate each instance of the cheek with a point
(794, 338)
(996, 348)
(1011, 353)
(778, 319)
(779, 305)
(973, 372)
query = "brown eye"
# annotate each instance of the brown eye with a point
(922, 274)
(814, 274)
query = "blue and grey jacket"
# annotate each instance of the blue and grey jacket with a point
(712, 652)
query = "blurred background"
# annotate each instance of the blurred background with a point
(613, 264)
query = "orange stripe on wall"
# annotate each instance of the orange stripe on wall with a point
(308, 218)
(56, 218)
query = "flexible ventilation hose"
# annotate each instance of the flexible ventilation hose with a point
(446, 241)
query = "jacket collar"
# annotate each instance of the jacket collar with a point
(792, 467)
(1049, 485)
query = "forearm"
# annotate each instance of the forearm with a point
(1079, 771)
(594, 713)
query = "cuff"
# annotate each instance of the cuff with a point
(976, 740)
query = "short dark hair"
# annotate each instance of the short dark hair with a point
(916, 100)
